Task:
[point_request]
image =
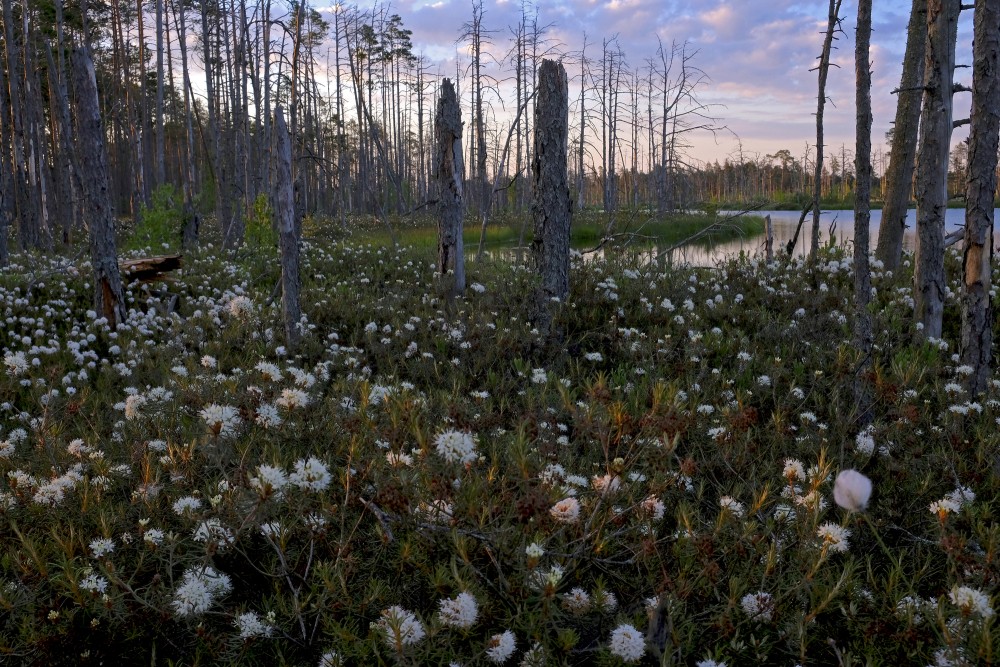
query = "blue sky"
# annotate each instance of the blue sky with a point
(756, 53)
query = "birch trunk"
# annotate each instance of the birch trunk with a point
(929, 286)
(551, 209)
(450, 175)
(977, 308)
(109, 298)
(284, 210)
(899, 176)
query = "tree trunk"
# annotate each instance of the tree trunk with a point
(899, 177)
(551, 209)
(984, 135)
(284, 210)
(161, 170)
(833, 19)
(862, 209)
(109, 298)
(450, 174)
(929, 286)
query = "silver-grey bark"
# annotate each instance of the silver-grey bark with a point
(929, 285)
(551, 209)
(450, 173)
(862, 209)
(984, 135)
(284, 209)
(109, 298)
(899, 175)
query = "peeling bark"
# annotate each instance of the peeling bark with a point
(984, 136)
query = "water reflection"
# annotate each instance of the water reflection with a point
(708, 252)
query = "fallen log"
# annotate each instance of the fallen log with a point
(149, 269)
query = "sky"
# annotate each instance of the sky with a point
(756, 54)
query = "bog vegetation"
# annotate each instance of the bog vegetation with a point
(427, 482)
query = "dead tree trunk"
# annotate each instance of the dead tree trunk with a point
(862, 209)
(929, 285)
(109, 298)
(284, 209)
(450, 175)
(984, 135)
(551, 209)
(832, 23)
(899, 176)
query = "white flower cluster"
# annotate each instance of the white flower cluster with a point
(501, 646)
(222, 420)
(834, 537)
(198, 590)
(401, 627)
(456, 446)
(971, 601)
(627, 643)
(460, 611)
(311, 475)
(758, 606)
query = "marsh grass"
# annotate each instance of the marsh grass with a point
(588, 230)
(315, 487)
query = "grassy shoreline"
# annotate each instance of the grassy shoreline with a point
(587, 229)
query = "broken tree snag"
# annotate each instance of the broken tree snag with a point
(984, 136)
(929, 286)
(551, 210)
(109, 298)
(450, 172)
(284, 209)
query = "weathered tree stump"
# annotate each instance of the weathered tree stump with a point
(551, 209)
(450, 172)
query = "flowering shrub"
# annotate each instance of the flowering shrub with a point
(680, 474)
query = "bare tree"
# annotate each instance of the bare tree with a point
(284, 210)
(899, 177)
(551, 209)
(450, 175)
(929, 286)
(109, 297)
(832, 27)
(862, 208)
(984, 136)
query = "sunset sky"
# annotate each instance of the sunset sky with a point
(757, 54)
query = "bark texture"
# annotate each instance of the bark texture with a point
(862, 208)
(450, 174)
(977, 309)
(929, 286)
(833, 19)
(551, 209)
(284, 209)
(109, 298)
(899, 175)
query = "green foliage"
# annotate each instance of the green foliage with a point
(260, 232)
(159, 225)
